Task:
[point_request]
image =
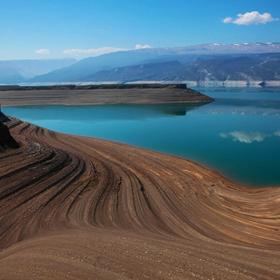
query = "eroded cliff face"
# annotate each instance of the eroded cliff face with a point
(6, 139)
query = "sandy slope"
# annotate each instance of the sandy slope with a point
(81, 208)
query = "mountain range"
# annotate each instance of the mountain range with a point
(18, 71)
(260, 67)
(221, 62)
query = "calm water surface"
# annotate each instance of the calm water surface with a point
(238, 134)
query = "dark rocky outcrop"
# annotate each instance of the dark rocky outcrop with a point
(6, 139)
(3, 117)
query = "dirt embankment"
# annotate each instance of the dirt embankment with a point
(81, 208)
(105, 94)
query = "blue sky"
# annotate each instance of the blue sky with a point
(61, 28)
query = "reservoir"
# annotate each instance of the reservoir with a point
(238, 134)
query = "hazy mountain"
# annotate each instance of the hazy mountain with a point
(16, 71)
(9, 75)
(170, 70)
(86, 68)
(259, 67)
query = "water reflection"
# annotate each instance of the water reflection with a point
(238, 134)
(248, 137)
(94, 113)
(244, 101)
(245, 137)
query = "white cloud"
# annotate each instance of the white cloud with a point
(44, 52)
(250, 18)
(91, 52)
(228, 20)
(102, 50)
(245, 137)
(140, 46)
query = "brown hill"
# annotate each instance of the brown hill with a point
(81, 208)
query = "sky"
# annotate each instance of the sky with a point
(80, 28)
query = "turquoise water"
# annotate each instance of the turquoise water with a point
(238, 134)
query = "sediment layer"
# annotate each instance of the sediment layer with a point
(100, 94)
(81, 208)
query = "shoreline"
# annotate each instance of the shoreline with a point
(145, 94)
(219, 171)
(215, 171)
(74, 206)
(24, 104)
(273, 84)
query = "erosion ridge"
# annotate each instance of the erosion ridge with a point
(81, 208)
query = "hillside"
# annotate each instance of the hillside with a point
(82, 208)
(18, 71)
(214, 68)
(86, 69)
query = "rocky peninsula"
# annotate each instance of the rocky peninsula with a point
(100, 94)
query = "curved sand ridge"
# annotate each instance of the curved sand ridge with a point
(81, 208)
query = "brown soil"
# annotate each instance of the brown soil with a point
(81, 208)
(68, 96)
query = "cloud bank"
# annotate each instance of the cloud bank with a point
(250, 18)
(100, 51)
(43, 52)
(139, 46)
(91, 52)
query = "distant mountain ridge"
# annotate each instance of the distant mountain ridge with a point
(92, 69)
(18, 71)
(258, 67)
(258, 61)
